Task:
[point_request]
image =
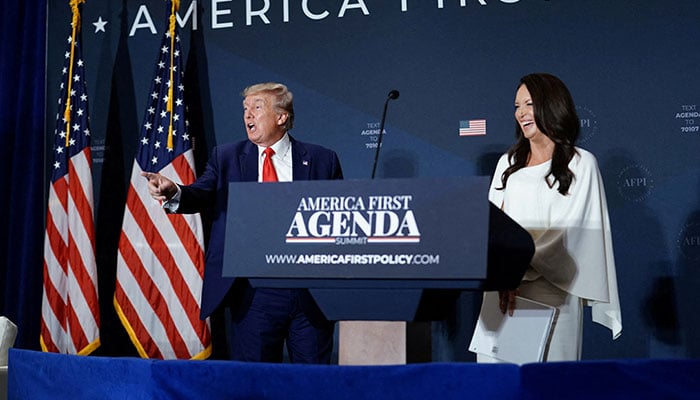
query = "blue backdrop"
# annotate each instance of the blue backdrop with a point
(631, 66)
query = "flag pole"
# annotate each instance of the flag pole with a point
(171, 30)
(75, 23)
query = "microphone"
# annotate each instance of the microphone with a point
(393, 95)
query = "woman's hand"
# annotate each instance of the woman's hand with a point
(506, 300)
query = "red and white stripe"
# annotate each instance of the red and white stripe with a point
(160, 270)
(70, 316)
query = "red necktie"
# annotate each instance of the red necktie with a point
(269, 174)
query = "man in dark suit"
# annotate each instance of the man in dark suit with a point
(261, 319)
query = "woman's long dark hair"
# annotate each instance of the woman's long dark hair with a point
(555, 116)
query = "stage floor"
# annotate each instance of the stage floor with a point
(36, 375)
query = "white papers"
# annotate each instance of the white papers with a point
(520, 338)
(8, 333)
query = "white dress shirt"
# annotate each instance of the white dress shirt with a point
(282, 159)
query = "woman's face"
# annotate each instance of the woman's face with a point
(525, 114)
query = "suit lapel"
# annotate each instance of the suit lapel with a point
(301, 162)
(248, 160)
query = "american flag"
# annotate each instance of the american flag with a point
(472, 127)
(160, 266)
(70, 316)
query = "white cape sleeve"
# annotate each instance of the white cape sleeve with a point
(584, 221)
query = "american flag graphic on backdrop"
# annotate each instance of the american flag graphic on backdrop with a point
(472, 127)
(160, 266)
(70, 314)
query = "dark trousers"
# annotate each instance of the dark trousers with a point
(264, 319)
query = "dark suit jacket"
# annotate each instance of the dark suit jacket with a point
(238, 162)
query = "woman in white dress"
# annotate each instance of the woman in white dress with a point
(554, 190)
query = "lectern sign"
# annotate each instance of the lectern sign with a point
(354, 220)
(423, 229)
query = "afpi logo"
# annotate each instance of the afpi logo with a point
(689, 241)
(634, 183)
(589, 124)
(354, 220)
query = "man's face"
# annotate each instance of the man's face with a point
(263, 125)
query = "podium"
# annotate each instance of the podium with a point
(395, 250)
